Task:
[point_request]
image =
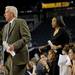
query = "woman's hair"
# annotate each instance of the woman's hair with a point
(73, 49)
(66, 48)
(53, 54)
(60, 21)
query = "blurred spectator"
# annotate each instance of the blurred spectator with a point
(64, 62)
(31, 67)
(72, 57)
(51, 61)
(42, 66)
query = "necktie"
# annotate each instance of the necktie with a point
(9, 26)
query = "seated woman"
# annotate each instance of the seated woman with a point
(51, 61)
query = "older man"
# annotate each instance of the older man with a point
(16, 34)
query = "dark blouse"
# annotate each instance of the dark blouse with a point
(61, 38)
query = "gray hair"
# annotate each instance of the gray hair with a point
(12, 9)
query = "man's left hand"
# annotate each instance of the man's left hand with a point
(10, 48)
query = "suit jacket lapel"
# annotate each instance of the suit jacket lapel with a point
(5, 32)
(12, 26)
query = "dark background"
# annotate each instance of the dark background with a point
(28, 4)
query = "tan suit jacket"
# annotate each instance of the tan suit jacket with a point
(19, 35)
